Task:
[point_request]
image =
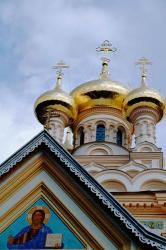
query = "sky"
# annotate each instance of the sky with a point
(35, 35)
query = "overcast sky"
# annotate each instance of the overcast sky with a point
(35, 34)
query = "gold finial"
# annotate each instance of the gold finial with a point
(106, 48)
(59, 67)
(143, 62)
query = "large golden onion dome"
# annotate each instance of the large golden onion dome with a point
(144, 97)
(101, 92)
(55, 100)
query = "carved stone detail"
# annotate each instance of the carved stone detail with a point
(144, 120)
(55, 123)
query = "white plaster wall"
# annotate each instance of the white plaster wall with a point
(155, 163)
(144, 127)
(104, 148)
(56, 129)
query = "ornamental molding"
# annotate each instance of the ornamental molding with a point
(107, 199)
(55, 114)
(102, 110)
(140, 111)
(133, 165)
(151, 146)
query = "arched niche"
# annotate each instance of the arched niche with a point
(153, 185)
(114, 186)
(101, 149)
(146, 149)
(120, 136)
(81, 136)
(98, 151)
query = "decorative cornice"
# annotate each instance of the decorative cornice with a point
(140, 111)
(95, 188)
(100, 110)
(48, 115)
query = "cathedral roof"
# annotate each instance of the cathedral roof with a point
(108, 203)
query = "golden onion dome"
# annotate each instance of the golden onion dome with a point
(101, 92)
(55, 99)
(144, 97)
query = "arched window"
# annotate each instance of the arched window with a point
(100, 132)
(81, 135)
(119, 137)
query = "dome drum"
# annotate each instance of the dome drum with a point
(102, 124)
(47, 114)
(144, 111)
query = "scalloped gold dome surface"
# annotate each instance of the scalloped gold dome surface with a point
(99, 93)
(56, 99)
(144, 96)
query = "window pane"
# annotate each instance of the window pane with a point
(81, 137)
(100, 133)
(119, 137)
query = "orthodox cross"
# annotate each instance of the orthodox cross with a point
(59, 70)
(106, 48)
(143, 62)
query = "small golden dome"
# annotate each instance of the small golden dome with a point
(144, 97)
(101, 92)
(56, 99)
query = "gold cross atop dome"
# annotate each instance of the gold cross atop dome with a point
(143, 62)
(106, 48)
(59, 70)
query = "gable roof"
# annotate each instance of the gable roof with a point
(95, 189)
